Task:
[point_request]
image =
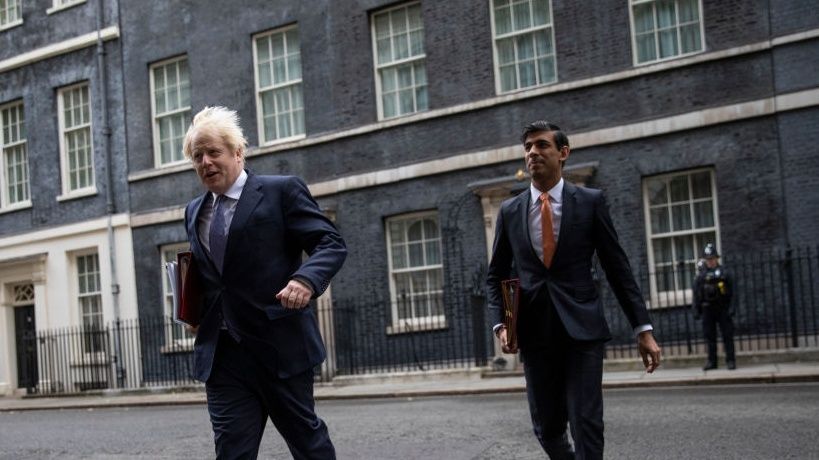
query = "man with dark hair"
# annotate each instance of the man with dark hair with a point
(549, 234)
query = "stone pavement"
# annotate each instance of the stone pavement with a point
(433, 383)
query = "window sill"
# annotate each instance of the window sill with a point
(670, 299)
(403, 115)
(528, 88)
(65, 6)
(670, 58)
(77, 194)
(174, 164)
(284, 140)
(178, 346)
(433, 323)
(10, 25)
(16, 207)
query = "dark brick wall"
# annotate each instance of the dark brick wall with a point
(37, 85)
(797, 66)
(40, 29)
(799, 137)
(792, 16)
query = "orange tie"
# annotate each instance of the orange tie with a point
(548, 229)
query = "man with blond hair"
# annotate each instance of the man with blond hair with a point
(258, 340)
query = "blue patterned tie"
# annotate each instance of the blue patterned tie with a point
(216, 234)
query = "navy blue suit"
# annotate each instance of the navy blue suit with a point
(267, 370)
(561, 325)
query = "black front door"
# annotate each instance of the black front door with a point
(26, 337)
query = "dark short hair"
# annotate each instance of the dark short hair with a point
(539, 126)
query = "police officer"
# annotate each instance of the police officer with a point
(712, 300)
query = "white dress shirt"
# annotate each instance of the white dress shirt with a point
(230, 198)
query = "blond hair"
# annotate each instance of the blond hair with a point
(217, 121)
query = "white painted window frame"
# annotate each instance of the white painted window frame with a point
(676, 297)
(61, 5)
(67, 193)
(16, 22)
(635, 58)
(79, 295)
(416, 323)
(184, 341)
(290, 83)
(531, 30)
(155, 118)
(5, 204)
(410, 60)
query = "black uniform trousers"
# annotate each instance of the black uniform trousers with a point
(711, 317)
(564, 384)
(242, 393)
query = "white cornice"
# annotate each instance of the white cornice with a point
(64, 231)
(56, 49)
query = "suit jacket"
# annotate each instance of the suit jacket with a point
(276, 219)
(585, 228)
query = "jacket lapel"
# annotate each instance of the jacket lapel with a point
(251, 195)
(524, 203)
(567, 214)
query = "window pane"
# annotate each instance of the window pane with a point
(540, 8)
(646, 50)
(668, 43)
(662, 250)
(643, 18)
(546, 67)
(390, 104)
(433, 251)
(527, 74)
(407, 101)
(701, 184)
(690, 38)
(525, 47)
(657, 193)
(520, 13)
(659, 220)
(506, 51)
(399, 259)
(543, 42)
(666, 17)
(684, 248)
(681, 217)
(503, 21)
(509, 79)
(704, 214)
(416, 254)
(689, 10)
(679, 189)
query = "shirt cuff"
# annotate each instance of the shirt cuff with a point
(643, 328)
(496, 327)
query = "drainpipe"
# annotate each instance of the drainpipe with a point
(110, 208)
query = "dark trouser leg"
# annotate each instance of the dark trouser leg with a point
(726, 327)
(709, 330)
(584, 388)
(546, 390)
(235, 409)
(291, 407)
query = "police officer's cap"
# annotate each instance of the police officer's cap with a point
(710, 251)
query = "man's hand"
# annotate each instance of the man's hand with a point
(505, 346)
(295, 295)
(649, 350)
(192, 330)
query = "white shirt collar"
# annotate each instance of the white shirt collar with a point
(235, 190)
(555, 193)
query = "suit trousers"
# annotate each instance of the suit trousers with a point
(242, 393)
(711, 317)
(564, 384)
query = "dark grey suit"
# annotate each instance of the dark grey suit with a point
(561, 325)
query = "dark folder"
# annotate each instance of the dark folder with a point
(190, 288)
(510, 292)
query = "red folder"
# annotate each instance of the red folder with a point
(190, 288)
(510, 292)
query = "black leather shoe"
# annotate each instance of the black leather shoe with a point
(709, 366)
(731, 365)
